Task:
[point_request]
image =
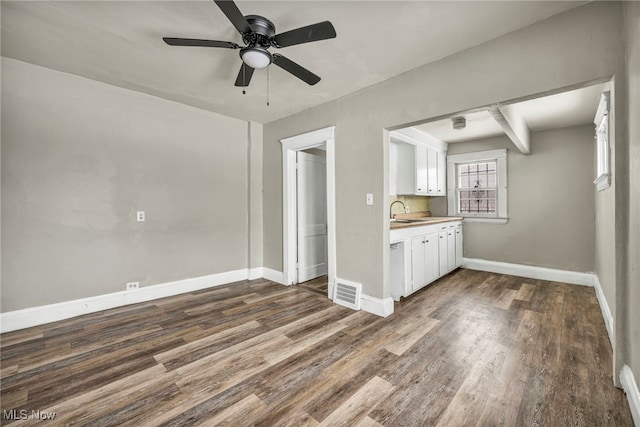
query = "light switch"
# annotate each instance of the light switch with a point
(140, 216)
(369, 199)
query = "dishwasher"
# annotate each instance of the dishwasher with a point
(397, 271)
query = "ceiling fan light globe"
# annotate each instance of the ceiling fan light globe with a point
(256, 57)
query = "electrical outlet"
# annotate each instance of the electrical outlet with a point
(140, 216)
(369, 199)
(133, 285)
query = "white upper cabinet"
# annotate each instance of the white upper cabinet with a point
(432, 171)
(442, 174)
(422, 171)
(417, 164)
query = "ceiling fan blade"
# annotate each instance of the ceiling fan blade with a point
(310, 33)
(173, 41)
(234, 15)
(244, 76)
(295, 69)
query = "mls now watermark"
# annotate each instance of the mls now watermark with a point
(24, 414)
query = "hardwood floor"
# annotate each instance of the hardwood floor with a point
(473, 348)
(318, 285)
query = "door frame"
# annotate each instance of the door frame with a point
(290, 146)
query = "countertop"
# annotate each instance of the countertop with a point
(421, 218)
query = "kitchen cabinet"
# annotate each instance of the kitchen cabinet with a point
(411, 170)
(422, 254)
(432, 171)
(416, 168)
(443, 252)
(459, 253)
(441, 187)
(421, 168)
(449, 247)
(451, 250)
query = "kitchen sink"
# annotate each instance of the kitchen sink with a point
(408, 221)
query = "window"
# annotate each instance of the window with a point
(477, 185)
(603, 164)
(476, 189)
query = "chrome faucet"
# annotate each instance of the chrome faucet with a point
(404, 208)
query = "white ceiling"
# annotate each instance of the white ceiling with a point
(120, 43)
(480, 124)
(571, 108)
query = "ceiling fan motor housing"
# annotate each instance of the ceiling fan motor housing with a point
(263, 30)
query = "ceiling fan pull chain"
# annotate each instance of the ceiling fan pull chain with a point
(244, 92)
(267, 86)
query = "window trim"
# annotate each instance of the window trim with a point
(500, 157)
(603, 144)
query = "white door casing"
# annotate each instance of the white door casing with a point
(289, 236)
(312, 216)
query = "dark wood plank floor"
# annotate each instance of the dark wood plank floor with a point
(474, 348)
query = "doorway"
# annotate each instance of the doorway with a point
(311, 184)
(309, 207)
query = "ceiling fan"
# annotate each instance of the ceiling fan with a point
(258, 35)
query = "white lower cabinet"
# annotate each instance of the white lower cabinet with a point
(459, 253)
(443, 252)
(421, 255)
(450, 247)
(424, 255)
(451, 250)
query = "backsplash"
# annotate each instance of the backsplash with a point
(414, 203)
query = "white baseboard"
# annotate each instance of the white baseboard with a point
(530, 271)
(630, 387)
(273, 275)
(377, 306)
(606, 312)
(34, 316)
(255, 273)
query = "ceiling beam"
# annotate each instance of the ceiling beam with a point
(513, 125)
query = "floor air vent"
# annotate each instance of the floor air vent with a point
(348, 294)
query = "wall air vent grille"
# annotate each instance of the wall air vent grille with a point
(347, 294)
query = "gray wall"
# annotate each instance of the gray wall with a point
(550, 202)
(80, 157)
(633, 292)
(255, 195)
(578, 46)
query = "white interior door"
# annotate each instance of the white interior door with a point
(312, 216)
